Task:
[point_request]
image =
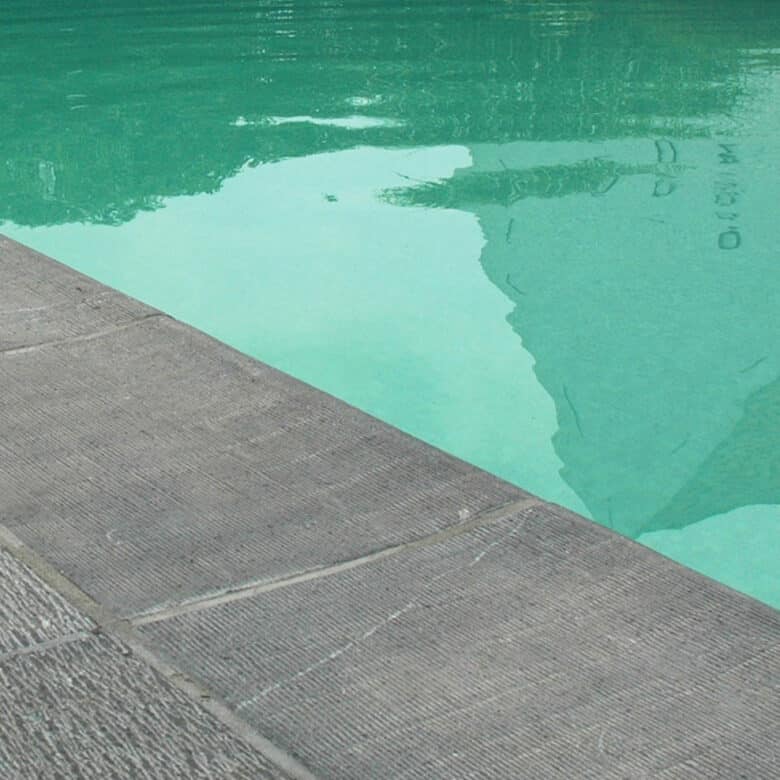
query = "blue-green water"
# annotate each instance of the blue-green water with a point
(543, 236)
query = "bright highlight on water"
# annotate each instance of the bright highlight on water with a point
(542, 236)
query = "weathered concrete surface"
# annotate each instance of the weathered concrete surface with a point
(77, 704)
(368, 603)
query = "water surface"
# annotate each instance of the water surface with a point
(540, 235)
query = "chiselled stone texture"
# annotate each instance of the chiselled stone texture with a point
(31, 613)
(76, 704)
(41, 301)
(87, 709)
(542, 646)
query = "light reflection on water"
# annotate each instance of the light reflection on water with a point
(539, 235)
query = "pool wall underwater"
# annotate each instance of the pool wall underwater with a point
(369, 605)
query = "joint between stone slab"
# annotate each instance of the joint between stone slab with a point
(257, 587)
(41, 647)
(107, 623)
(12, 351)
(101, 616)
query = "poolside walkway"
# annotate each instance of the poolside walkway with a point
(211, 569)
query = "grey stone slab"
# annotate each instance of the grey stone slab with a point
(89, 709)
(30, 612)
(77, 704)
(152, 464)
(43, 301)
(541, 646)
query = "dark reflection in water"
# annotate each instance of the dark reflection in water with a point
(620, 177)
(506, 187)
(110, 106)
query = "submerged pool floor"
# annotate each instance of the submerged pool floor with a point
(542, 238)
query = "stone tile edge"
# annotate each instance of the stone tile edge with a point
(156, 315)
(121, 629)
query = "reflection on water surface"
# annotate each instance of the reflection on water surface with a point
(538, 234)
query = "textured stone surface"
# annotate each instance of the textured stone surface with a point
(30, 613)
(153, 464)
(76, 704)
(83, 709)
(541, 646)
(41, 301)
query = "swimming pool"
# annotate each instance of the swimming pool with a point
(541, 236)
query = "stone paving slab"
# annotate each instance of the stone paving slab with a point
(31, 614)
(41, 302)
(153, 464)
(539, 646)
(77, 704)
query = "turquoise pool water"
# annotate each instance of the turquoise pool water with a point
(543, 236)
